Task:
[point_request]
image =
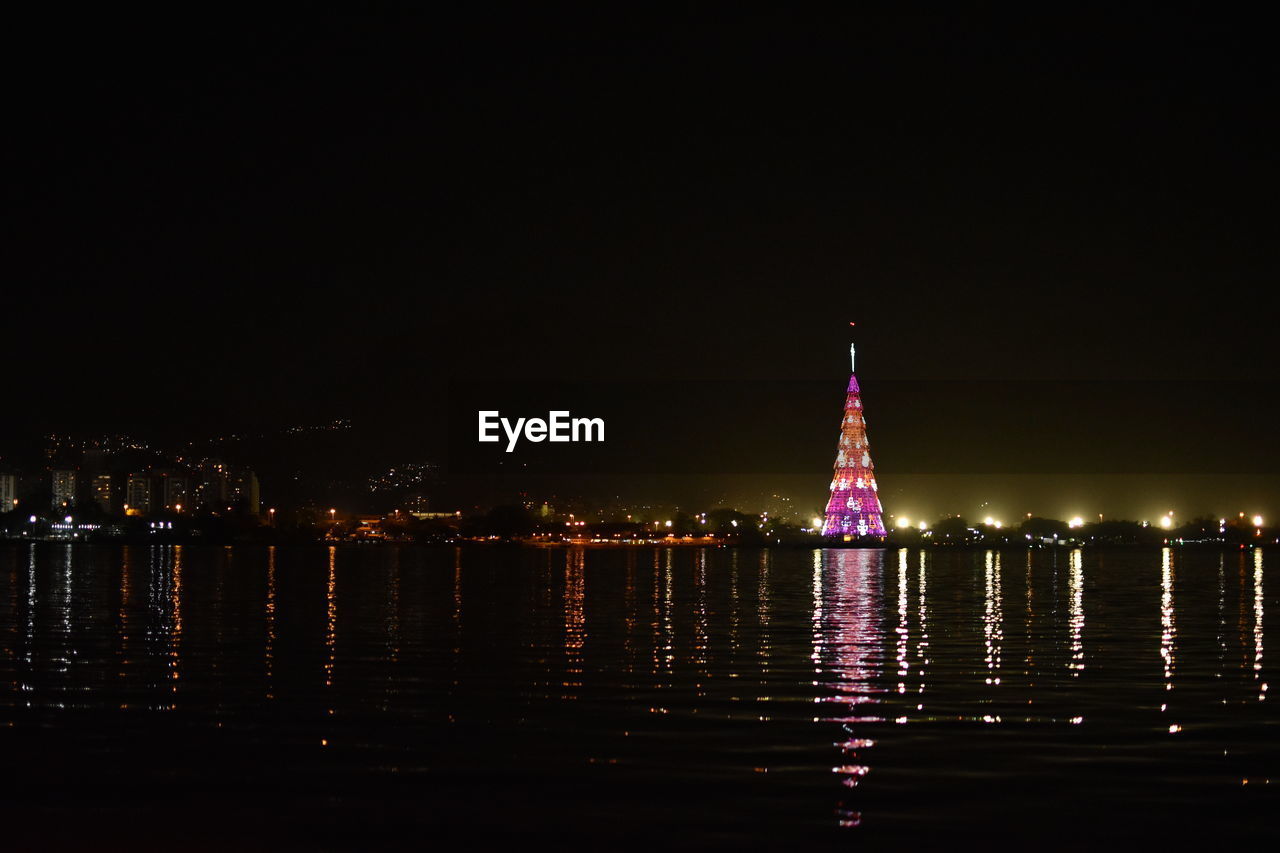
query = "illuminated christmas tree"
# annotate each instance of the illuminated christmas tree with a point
(854, 509)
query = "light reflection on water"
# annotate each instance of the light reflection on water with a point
(993, 619)
(1168, 631)
(745, 691)
(1258, 608)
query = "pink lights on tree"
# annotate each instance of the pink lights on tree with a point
(853, 512)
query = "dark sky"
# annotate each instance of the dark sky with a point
(244, 217)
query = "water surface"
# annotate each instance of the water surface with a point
(355, 696)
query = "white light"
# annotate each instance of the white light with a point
(32, 519)
(1166, 522)
(1076, 522)
(988, 521)
(922, 525)
(1257, 521)
(817, 522)
(904, 522)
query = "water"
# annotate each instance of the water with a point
(354, 697)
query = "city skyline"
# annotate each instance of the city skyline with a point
(111, 487)
(1135, 495)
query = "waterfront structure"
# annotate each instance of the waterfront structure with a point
(138, 494)
(854, 511)
(212, 491)
(243, 490)
(64, 488)
(8, 492)
(221, 487)
(102, 493)
(175, 487)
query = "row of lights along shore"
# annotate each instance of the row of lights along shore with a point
(1166, 522)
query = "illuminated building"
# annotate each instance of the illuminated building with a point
(102, 491)
(8, 492)
(212, 490)
(64, 488)
(137, 494)
(243, 489)
(177, 490)
(854, 511)
(222, 487)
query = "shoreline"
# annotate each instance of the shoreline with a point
(1225, 547)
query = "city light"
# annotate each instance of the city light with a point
(1257, 521)
(1076, 521)
(1166, 521)
(922, 525)
(904, 521)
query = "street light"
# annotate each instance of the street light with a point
(1257, 521)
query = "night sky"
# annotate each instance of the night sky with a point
(1056, 235)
